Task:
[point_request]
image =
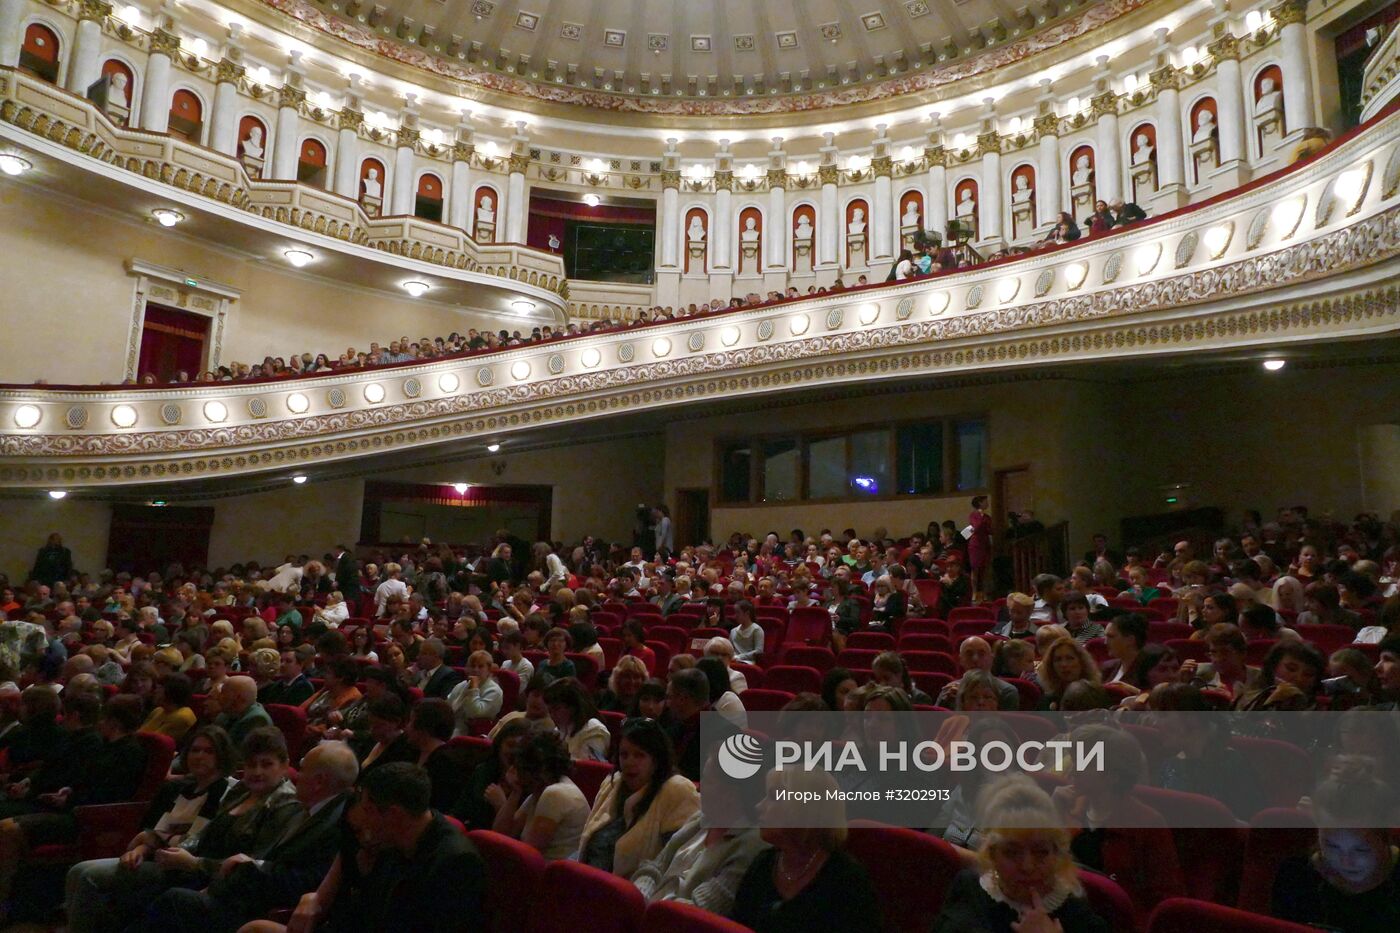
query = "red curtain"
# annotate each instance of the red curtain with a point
(172, 341)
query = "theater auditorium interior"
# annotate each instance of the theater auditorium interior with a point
(416, 413)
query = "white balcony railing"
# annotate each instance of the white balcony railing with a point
(1309, 254)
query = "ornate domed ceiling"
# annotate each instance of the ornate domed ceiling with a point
(700, 57)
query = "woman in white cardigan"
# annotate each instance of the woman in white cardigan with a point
(640, 806)
(544, 560)
(476, 697)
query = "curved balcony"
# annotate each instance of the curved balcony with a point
(83, 142)
(1308, 254)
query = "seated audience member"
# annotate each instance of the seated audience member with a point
(472, 807)
(1387, 675)
(703, 866)
(723, 700)
(386, 716)
(573, 713)
(417, 858)
(292, 687)
(837, 684)
(103, 762)
(624, 684)
(640, 804)
(182, 807)
(429, 729)
(1324, 607)
(747, 634)
(651, 700)
(1387, 624)
(340, 692)
(888, 669)
(254, 815)
(1226, 670)
(847, 611)
(1140, 588)
(1289, 679)
(1025, 880)
(1124, 637)
(435, 678)
(977, 692)
(1049, 593)
(533, 711)
(1075, 612)
(1116, 834)
(974, 654)
(537, 802)
(806, 880)
(1065, 662)
(1351, 679)
(687, 696)
(1198, 757)
(172, 715)
(247, 888)
(1155, 664)
(890, 603)
(955, 587)
(722, 650)
(1018, 623)
(1015, 657)
(556, 666)
(478, 696)
(633, 637)
(513, 648)
(1351, 881)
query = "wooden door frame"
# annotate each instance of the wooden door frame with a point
(998, 510)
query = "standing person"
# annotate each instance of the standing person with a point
(979, 546)
(663, 531)
(347, 574)
(53, 562)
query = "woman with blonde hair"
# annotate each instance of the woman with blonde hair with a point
(1065, 662)
(1025, 880)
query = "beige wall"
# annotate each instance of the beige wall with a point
(69, 296)
(25, 524)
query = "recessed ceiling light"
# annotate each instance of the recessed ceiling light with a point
(299, 257)
(592, 200)
(522, 306)
(299, 478)
(416, 289)
(123, 416)
(461, 488)
(166, 217)
(26, 416)
(297, 403)
(448, 382)
(492, 448)
(374, 393)
(57, 493)
(1274, 366)
(215, 411)
(12, 164)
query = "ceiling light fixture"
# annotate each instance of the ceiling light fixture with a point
(1274, 366)
(57, 493)
(123, 416)
(592, 200)
(298, 257)
(522, 306)
(26, 416)
(416, 289)
(166, 217)
(492, 448)
(374, 393)
(299, 478)
(215, 411)
(12, 164)
(461, 488)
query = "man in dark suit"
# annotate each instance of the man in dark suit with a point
(1102, 551)
(435, 678)
(426, 876)
(347, 574)
(247, 889)
(1128, 213)
(292, 688)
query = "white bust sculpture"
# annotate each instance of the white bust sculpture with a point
(857, 224)
(553, 241)
(1142, 149)
(750, 232)
(804, 228)
(911, 215)
(485, 212)
(1021, 190)
(1270, 98)
(373, 189)
(1205, 127)
(253, 145)
(1083, 173)
(695, 233)
(967, 206)
(119, 91)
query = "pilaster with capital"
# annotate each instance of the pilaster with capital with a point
(1295, 62)
(11, 16)
(1108, 166)
(85, 67)
(1229, 98)
(155, 91)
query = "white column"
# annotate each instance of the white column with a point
(1229, 99)
(776, 231)
(155, 89)
(936, 210)
(223, 122)
(1171, 163)
(1295, 65)
(669, 222)
(347, 154)
(1048, 200)
(884, 217)
(85, 65)
(404, 188)
(722, 227)
(517, 193)
(11, 15)
(1109, 167)
(284, 142)
(829, 220)
(459, 213)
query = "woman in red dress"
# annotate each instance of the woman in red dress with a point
(979, 546)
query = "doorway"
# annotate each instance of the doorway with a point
(692, 520)
(172, 342)
(144, 538)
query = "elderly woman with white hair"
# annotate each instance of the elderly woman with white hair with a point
(721, 648)
(334, 612)
(1025, 880)
(391, 588)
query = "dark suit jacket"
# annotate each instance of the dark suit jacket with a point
(441, 683)
(347, 577)
(292, 867)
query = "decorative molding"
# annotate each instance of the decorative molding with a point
(164, 43)
(1290, 11)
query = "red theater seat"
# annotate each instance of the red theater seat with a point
(877, 641)
(764, 701)
(1110, 902)
(581, 898)
(909, 870)
(291, 722)
(1274, 835)
(792, 679)
(806, 656)
(513, 874)
(1183, 915)
(677, 917)
(590, 775)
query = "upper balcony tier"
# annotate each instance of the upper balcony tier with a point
(1304, 255)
